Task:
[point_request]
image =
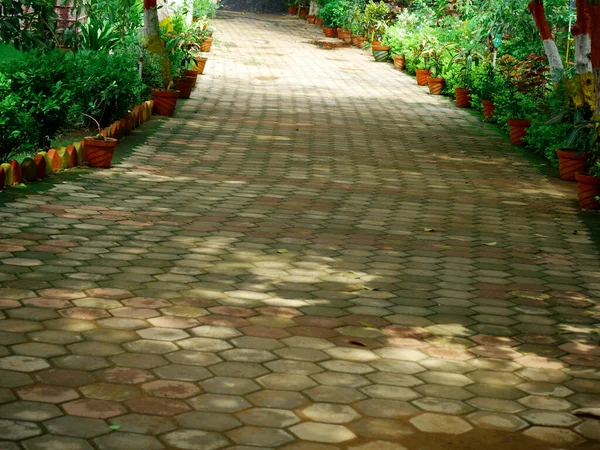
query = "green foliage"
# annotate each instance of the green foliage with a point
(19, 129)
(28, 24)
(336, 14)
(377, 18)
(206, 8)
(96, 35)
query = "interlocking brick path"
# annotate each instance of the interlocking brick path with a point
(312, 254)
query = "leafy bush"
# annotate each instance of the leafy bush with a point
(19, 130)
(335, 14)
(105, 85)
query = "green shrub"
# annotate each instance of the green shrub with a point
(20, 132)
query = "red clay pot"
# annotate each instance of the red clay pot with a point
(435, 85)
(192, 73)
(360, 41)
(346, 36)
(463, 97)
(518, 130)
(488, 110)
(399, 62)
(588, 188)
(201, 64)
(422, 76)
(319, 21)
(330, 32)
(304, 13)
(100, 153)
(570, 164)
(311, 19)
(293, 10)
(184, 86)
(206, 45)
(165, 101)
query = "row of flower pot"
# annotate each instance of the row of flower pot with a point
(572, 165)
(96, 151)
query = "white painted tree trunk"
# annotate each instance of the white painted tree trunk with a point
(557, 70)
(151, 22)
(583, 54)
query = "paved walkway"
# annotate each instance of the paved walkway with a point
(313, 254)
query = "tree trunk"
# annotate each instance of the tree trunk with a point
(154, 42)
(583, 84)
(594, 11)
(536, 7)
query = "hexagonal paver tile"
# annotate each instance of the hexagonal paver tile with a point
(438, 423)
(321, 432)
(143, 424)
(351, 354)
(377, 428)
(219, 403)
(208, 421)
(157, 406)
(23, 363)
(100, 409)
(131, 441)
(497, 421)
(268, 417)
(170, 389)
(229, 385)
(82, 427)
(334, 394)
(125, 375)
(257, 436)
(277, 399)
(29, 411)
(550, 418)
(330, 413)
(50, 441)
(378, 445)
(110, 391)
(555, 436)
(49, 394)
(181, 372)
(15, 430)
(288, 382)
(194, 439)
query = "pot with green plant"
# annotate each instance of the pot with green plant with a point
(463, 67)
(292, 6)
(588, 184)
(439, 58)
(333, 15)
(483, 82)
(580, 142)
(99, 150)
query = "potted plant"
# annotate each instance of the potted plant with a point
(438, 56)
(483, 81)
(99, 149)
(580, 143)
(588, 184)
(464, 60)
(333, 16)
(292, 6)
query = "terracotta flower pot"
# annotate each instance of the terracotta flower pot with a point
(311, 19)
(435, 85)
(588, 188)
(293, 10)
(206, 45)
(184, 86)
(518, 130)
(165, 101)
(319, 21)
(463, 97)
(488, 110)
(330, 32)
(570, 163)
(399, 61)
(100, 153)
(360, 41)
(381, 53)
(422, 76)
(346, 36)
(201, 64)
(304, 13)
(192, 73)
